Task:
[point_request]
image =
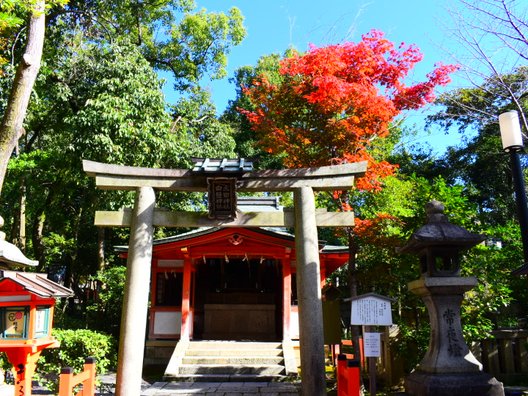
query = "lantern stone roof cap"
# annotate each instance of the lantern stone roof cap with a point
(440, 232)
(222, 165)
(36, 283)
(12, 255)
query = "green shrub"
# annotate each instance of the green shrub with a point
(75, 347)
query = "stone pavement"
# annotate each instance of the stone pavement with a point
(191, 388)
(221, 389)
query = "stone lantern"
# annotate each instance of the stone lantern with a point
(448, 367)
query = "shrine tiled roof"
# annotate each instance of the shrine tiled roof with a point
(271, 231)
(222, 165)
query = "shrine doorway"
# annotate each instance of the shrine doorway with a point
(238, 299)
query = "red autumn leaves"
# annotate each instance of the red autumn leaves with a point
(332, 103)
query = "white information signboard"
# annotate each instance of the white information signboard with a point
(372, 344)
(371, 310)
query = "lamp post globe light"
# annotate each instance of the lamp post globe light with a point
(512, 143)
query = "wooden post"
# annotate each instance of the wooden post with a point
(309, 295)
(186, 318)
(353, 382)
(341, 375)
(135, 302)
(286, 297)
(371, 364)
(89, 382)
(68, 380)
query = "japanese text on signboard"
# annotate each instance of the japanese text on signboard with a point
(371, 311)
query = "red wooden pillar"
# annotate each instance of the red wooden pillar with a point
(286, 295)
(186, 317)
(322, 267)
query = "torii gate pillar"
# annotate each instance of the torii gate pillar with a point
(311, 337)
(136, 298)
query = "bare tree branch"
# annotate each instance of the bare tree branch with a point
(493, 38)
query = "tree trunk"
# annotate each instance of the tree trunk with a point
(101, 248)
(37, 235)
(22, 217)
(12, 122)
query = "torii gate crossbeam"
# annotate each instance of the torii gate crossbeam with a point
(143, 218)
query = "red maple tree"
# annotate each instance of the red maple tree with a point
(332, 102)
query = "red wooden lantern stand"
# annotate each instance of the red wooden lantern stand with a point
(24, 359)
(27, 301)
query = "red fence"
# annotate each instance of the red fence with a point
(347, 376)
(68, 380)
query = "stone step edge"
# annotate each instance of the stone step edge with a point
(232, 360)
(234, 347)
(228, 366)
(256, 352)
(227, 378)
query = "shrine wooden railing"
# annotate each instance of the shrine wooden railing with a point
(68, 380)
(505, 356)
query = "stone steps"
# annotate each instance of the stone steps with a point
(234, 345)
(232, 360)
(211, 378)
(228, 361)
(249, 352)
(232, 369)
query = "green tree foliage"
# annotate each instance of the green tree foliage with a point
(170, 34)
(246, 145)
(103, 104)
(9, 20)
(111, 107)
(480, 163)
(388, 218)
(104, 312)
(13, 15)
(479, 170)
(195, 120)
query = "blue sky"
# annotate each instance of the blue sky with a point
(274, 25)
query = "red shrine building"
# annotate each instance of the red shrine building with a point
(229, 283)
(242, 285)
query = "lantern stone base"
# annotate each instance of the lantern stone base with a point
(466, 384)
(448, 368)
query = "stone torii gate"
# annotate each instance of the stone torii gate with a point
(144, 217)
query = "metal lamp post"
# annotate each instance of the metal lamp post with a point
(512, 143)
